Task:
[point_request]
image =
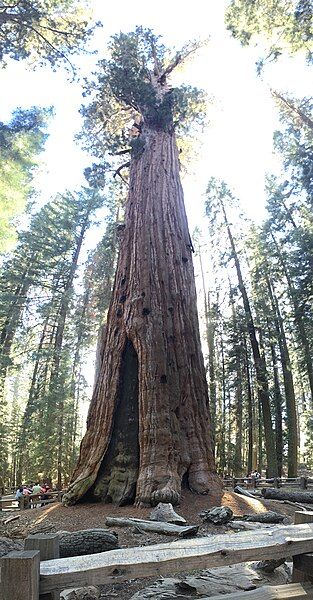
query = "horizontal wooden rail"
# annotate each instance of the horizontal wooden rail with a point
(199, 553)
(254, 482)
(30, 500)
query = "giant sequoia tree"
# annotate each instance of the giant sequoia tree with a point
(148, 426)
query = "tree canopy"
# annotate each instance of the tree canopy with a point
(43, 30)
(281, 25)
(131, 90)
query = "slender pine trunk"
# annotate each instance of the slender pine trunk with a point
(299, 320)
(288, 384)
(249, 406)
(259, 362)
(278, 401)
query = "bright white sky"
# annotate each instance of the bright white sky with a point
(237, 145)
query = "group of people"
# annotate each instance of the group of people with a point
(33, 489)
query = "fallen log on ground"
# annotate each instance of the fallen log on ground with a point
(156, 526)
(296, 504)
(11, 519)
(246, 526)
(178, 556)
(267, 517)
(89, 541)
(275, 494)
(243, 492)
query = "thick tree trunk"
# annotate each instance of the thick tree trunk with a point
(153, 337)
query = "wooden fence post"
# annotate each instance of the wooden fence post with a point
(48, 545)
(20, 576)
(303, 483)
(301, 517)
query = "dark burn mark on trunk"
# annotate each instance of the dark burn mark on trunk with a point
(117, 476)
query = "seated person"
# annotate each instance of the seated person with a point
(46, 489)
(19, 493)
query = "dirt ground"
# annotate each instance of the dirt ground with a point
(85, 516)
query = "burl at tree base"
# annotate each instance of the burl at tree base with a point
(148, 426)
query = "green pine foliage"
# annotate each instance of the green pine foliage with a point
(21, 141)
(44, 31)
(43, 339)
(125, 97)
(279, 26)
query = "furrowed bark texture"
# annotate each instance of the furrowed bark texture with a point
(152, 319)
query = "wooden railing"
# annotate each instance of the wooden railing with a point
(48, 578)
(30, 501)
(303, 483)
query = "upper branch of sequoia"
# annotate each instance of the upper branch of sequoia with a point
(130, 93)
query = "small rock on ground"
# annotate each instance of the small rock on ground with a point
(86, 593)
(219, 515)
(7, 545)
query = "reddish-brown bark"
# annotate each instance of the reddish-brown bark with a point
(152, 369)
